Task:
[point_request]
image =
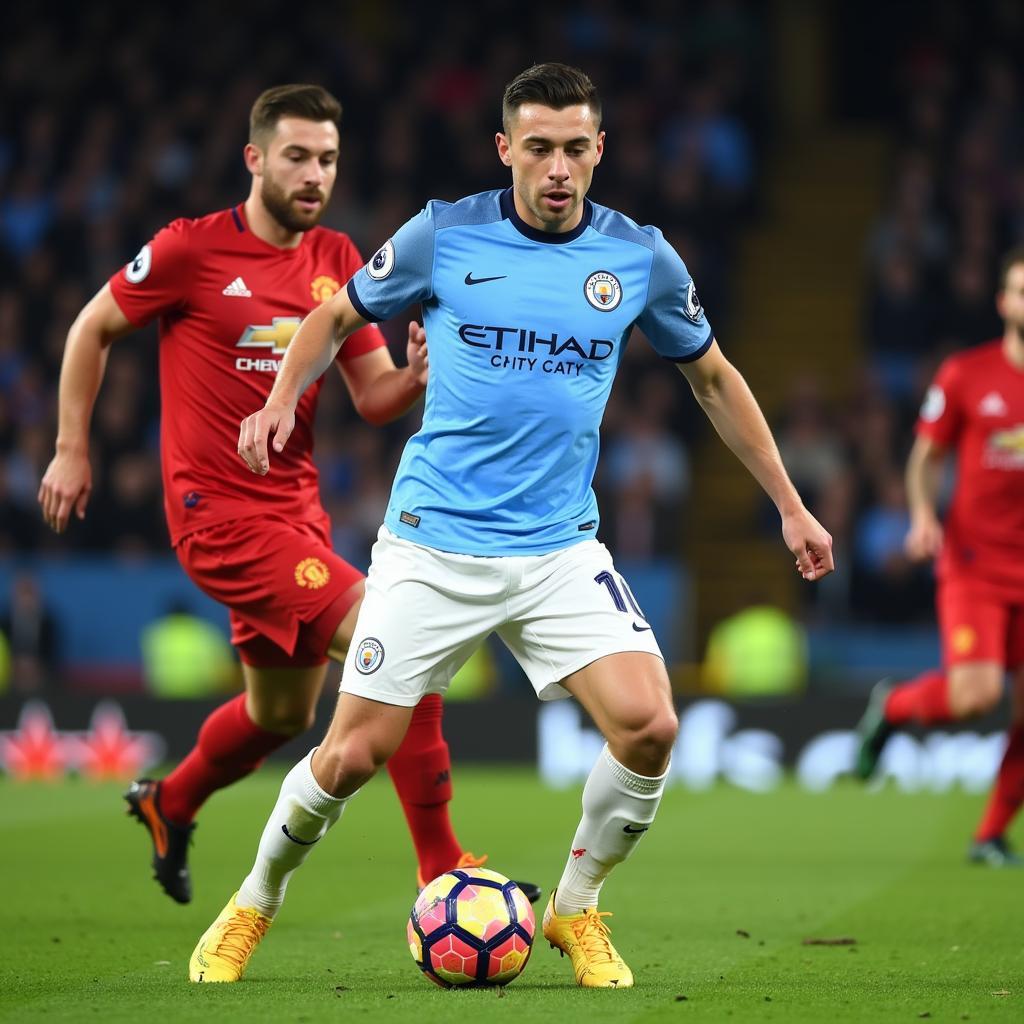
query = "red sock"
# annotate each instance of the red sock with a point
(230, 746)
(1008, 793)
(421, 772)
(924, 701)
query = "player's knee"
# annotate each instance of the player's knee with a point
(648, 745)
(286, 721)
(342, 766)
(662, 730)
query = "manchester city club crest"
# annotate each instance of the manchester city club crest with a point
(382, 262)
(369, 656)
(603, 291)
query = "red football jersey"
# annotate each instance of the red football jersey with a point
(229, 304)
(976, 405)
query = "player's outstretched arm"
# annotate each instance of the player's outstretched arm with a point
(310, 352)
(67, 482)
(381, 392)
(924, 474)
(724, 395)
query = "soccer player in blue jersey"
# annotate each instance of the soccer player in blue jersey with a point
(529, 296)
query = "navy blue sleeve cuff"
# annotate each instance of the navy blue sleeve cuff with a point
(353, 297)
(696, 353)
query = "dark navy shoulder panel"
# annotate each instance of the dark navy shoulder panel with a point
(482, 208)
(618, 225)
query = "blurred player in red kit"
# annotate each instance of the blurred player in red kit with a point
(975, 406)
(230, 290)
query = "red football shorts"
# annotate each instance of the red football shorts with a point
(286, 589)
(980, 621)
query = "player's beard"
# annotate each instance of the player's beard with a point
(280, 206)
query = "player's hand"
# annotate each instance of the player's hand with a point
(416, 353)
(65, 487)
(924, 538)
(255, 432)
(810, 542)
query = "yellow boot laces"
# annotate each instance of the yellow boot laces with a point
(592, 934)
(239, 935)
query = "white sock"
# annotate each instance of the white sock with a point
(302, 815)
(618, 808)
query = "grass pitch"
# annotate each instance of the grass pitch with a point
(712, 912)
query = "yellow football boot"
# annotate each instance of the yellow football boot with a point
(223, 952)
(585, 938)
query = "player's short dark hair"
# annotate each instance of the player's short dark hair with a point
(1008, 262)
(310, 102)
(551, 85)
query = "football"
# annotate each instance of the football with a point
(471, 927)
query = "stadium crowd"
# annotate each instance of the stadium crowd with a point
(120, 124)
(954, 205)
(119, 121)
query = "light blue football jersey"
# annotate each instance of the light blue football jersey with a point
(525, 331)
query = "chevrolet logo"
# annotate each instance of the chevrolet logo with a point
(1011, 440)
(275, 337)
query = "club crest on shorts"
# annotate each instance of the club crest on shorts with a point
(312, 573)
(963, 639)
(382, 262)
(369, 656)
(603, 291)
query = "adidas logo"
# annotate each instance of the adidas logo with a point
(237, 288)
(993, 404)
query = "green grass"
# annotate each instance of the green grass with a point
(86, 935)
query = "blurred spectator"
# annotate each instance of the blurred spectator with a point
(108, 135)
(911, 227)
(886, 585)
(648, 473)
(809, 442)
(5, 664)
(30, 631)
(127, 516)
(719, 143)
(956, 203)
(968, 314)
(900, 321)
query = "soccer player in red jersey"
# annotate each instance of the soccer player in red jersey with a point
(230, 290)
(975, 406)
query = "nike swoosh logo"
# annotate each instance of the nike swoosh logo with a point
(630, 831)
(301, 842)
(470, 279)
(640, 629)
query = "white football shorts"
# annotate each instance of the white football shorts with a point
(426, 611)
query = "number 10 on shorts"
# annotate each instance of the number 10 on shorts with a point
(618, 590)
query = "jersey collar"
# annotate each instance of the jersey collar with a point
(508, 210)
